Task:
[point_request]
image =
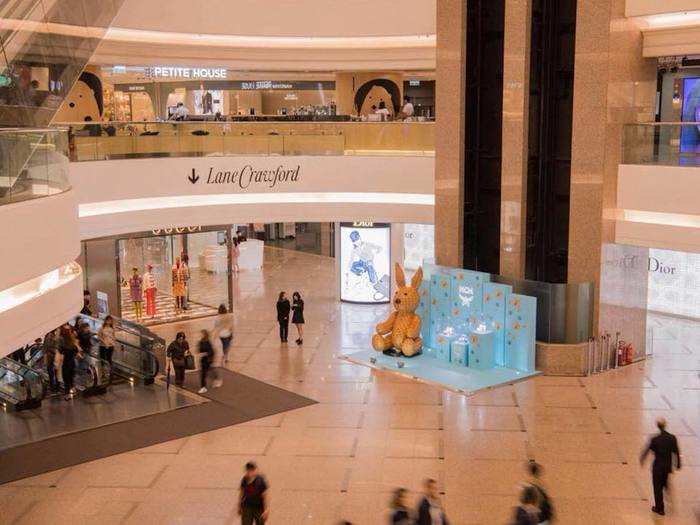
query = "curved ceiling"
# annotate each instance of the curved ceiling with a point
(309, 18)
(274, 35)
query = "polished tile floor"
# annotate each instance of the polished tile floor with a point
(373, 431)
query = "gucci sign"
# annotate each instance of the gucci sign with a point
(177, 229)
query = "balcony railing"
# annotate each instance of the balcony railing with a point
(116, 140)
(33, 163)
(662, 143)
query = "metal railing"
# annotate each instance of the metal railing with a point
(114, 140)
(662, 144)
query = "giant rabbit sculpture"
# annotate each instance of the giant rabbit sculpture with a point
(400, 333)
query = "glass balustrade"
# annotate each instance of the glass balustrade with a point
(118, 140)
(662, 144)
(135, 354)
(33, 163)
(20, 386)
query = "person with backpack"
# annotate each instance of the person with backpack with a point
(544, 503)
(527, 513)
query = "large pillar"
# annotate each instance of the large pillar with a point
(516, 96)
(449, 131)
(613, 85)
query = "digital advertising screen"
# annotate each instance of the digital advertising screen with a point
(690, 135)
(365, 262)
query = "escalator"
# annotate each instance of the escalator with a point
(92, 374)
(135, 354)
(21, 387)
(44, 47)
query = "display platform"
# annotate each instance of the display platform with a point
(474, 333)
(425, 368)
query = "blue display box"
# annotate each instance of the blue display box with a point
(459, 353)
(442, 348)
(482, 350)
(495, 299)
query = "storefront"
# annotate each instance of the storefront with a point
(171, 274)
(209, 93)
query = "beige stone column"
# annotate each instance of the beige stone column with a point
(613, 85)
(449, 131)
(516, 96)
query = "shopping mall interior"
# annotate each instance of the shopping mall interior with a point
(324, 262)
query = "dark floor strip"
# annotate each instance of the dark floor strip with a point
(240, 399)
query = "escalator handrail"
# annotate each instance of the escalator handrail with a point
(24, 369)
(150, 355)
(127, 326)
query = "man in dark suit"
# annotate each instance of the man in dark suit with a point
(664, 445)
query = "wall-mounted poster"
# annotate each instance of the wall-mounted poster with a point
(418, 245)
(365, 262)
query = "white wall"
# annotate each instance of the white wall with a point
(658, 207)
(122, 196)
(655, 7)
(41, 313)
(37, 236)
(674, 283)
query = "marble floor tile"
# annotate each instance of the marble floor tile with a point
(372, 432)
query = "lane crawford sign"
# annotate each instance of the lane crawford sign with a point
(248, 176)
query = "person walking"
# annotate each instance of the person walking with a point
(298, 316)
(176, 352)
(107, 339)
(283, 308)
(51, 346)
(70, 350)
(430, 508)
(544, 503)
(400, 514)
(664, 445)
(206, 356)
(235, 254)
(527, 512)
(252, 503)
(223, 327)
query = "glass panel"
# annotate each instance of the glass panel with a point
(187, 139)
(676, 144)
(19, 383)
(193, 289)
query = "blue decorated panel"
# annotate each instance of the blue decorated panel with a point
(423, 310)
(521, 315)
(467, 292)
(495, 298)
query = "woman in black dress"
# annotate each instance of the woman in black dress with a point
(283, 316)
(298, 315)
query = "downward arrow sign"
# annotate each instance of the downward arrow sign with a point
(193, 178)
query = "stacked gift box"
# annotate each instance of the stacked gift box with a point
(474, 322)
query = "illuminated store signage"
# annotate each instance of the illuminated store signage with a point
(365, 262)
(197, 73)
(266, 84)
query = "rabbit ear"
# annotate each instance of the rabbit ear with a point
(417, 278)
(400, 277)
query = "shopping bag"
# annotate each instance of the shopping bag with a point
(189, 362)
